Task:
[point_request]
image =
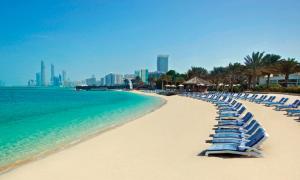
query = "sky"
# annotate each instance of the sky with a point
(96, 37)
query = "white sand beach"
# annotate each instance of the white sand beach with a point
(164, 145)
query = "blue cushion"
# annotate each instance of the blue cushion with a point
(221, 147)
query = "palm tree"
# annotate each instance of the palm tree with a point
(253, 64)
(287, 67)
(217, 75)
(165, 78)
(152, 81)
(197, 72)
(234, 72)
(269, 65)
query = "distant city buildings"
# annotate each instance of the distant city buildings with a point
(91, 81)
(38, 79)
(102, 81)
(130, 76)
(64, 77)
(112, 79)
(162, 63)
(56, 81)
(31, 83)
(52, 74)
(43, 74)
(144, 75)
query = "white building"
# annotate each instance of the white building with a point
(294, 80)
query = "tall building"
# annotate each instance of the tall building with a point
(64, 77)
(38, 79)
(30, 82)
(119, 79)
(43, 74)
(52, 75)
(137, 73)
(162, 63)
(102, 81)
(113, 79)
(144, 75)
(91, 81)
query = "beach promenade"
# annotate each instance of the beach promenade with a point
(164, 145)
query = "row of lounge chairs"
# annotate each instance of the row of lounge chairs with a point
(292, 109)
(236, 131)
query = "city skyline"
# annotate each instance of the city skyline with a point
(99, 37)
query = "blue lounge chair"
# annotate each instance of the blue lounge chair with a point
(236, 129)
(233, 115)
(237, 123)
(282, 101)
(243, 147)
(237, 135)
(294, 105)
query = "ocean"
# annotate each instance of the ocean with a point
(35, 121)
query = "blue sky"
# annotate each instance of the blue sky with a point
(87, 37)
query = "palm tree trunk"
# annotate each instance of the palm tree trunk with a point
(286, 80)
(249, 82)
(268, 80)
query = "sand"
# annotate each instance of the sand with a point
(164, 145)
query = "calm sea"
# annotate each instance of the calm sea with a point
(34, 121)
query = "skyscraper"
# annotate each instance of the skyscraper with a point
(113, 79)
(52, 75)
(144, 75)
(38, 79)
(64, 77)
(43, 74)
(162, 63)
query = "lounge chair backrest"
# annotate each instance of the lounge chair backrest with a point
(233, 102)
(241, 110)
(256, 138)
(281, 100)
(250, 124)
(285, 100)
(295, 102)
(253, 129)
(237, 106)
(247, 117)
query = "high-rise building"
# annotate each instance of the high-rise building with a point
(109, 79)
(137, 73)
(64, 77)
(102, 81)
(52, 74)
(91, 81)
(38, 79)
(30, 82)
(162, 63)
(43, 74)
(113, 79)
(144, 76)
(119, 79)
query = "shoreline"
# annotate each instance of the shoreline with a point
(11, 167)
(165, 145)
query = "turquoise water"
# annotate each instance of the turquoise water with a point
(34, 121)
